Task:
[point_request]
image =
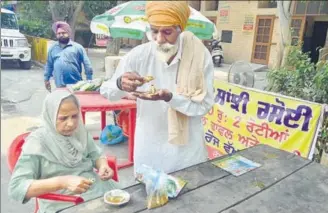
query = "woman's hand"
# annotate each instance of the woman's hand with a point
(105, 172)
(76, 184)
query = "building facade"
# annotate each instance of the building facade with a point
(250, 30)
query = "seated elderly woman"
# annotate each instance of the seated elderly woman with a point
(59, 157)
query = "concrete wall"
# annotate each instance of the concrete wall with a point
(242, 42)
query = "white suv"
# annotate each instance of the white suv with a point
(14, 45)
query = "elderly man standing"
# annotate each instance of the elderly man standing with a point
(65, 59)
(169, 132)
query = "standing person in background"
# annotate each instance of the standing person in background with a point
(65, 59)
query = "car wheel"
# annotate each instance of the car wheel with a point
(26, 65)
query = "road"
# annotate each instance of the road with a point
(20, 90)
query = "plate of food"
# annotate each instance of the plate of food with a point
(152, 91)
(146, 79)
(116, 197)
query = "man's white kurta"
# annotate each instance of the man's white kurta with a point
(151, 135)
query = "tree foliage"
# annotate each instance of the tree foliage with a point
(35, 28)
(66, 11)
(36, 17)
(300, 78)
(93, 8)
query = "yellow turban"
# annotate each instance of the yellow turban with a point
(168, 13)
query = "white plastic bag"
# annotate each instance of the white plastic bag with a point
(156, 189)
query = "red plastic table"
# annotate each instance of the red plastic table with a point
(94, 102)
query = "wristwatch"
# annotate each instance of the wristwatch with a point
(119, 83)
(170, 97)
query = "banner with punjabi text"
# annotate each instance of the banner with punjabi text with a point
(243, 117)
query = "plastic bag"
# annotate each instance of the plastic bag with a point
(174, 185)
(156, 189)
(112, 134)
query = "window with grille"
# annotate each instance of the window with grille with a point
(226, 36)
(311, 8)
(267, 4)
(211, 5)
(262, 39)
(195, 4)
(297, 28)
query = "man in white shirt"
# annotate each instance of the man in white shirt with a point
(161, 58)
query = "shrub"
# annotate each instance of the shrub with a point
(35, 28)
(300, 78)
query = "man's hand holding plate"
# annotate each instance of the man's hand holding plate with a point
(129, 81)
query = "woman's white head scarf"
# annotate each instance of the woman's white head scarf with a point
(48, 143)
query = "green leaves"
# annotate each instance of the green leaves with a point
(35, 28)
(35, 17)
(300, 78)
(93, 8)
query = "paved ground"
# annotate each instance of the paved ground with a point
(22, 94)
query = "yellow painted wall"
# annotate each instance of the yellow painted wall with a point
(39, 48)
(242, 42)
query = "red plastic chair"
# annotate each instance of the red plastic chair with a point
(14, 152)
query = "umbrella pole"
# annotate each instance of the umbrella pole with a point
(90, 42)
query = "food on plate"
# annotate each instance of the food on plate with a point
(152, 90)
(115, 199)
(148, 78)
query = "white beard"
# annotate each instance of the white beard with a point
(165, 51)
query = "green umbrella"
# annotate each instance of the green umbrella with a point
(128, 21)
